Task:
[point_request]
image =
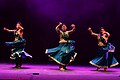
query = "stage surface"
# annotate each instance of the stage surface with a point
(51, 72)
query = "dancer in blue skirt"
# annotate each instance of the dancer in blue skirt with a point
(18, 45)
(64, 53)
(105, 54)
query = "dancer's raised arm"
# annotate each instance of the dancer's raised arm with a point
(107, 34)
(73, 28)
(91, 32)
(58, 27)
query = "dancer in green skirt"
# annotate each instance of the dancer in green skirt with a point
(64, 53)
(18, 45)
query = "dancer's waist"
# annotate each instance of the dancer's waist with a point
(66, 41)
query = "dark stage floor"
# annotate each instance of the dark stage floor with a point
(51, 72)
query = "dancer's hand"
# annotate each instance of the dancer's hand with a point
(5, 28)
(89, 28)
(60, 23)
(72, 25)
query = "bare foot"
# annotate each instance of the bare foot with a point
(105, 69)
(62, 69)
(97, 68)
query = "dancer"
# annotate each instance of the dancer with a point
(18, 45)
(64, 53)
(105, 57)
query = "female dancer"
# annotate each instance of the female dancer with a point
(105, 57)
(18, 45)
(64, 53)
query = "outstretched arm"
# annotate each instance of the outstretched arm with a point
(73, 28)
(8, 30)
(58, 27)
(91, 32)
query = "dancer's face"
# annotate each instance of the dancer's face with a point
(64, 27)
(102, 31)
(18, 26)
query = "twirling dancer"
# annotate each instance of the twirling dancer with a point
(64, 53)
(18, 45)
(105, 57)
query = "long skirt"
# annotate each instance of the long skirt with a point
(105, 58)
(18, 49)
(63, 54)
